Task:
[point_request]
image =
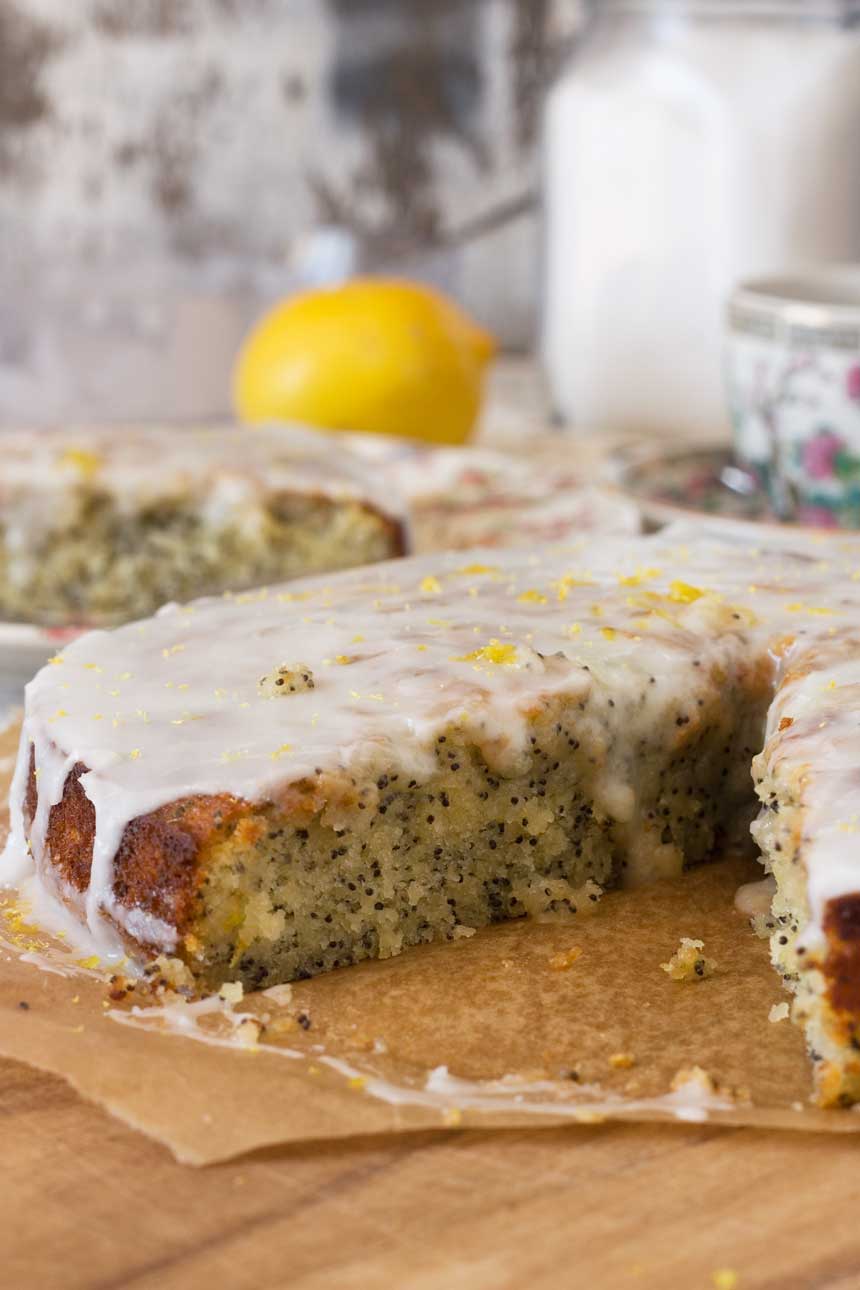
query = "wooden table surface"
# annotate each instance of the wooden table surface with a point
(90, 1204)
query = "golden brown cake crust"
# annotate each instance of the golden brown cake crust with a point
(159, 860)
(842, 965)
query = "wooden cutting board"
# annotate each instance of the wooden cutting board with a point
(90, 1204)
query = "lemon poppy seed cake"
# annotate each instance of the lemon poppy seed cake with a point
(273, 785)
(100, 526)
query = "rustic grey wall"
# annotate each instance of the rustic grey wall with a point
(168, 167)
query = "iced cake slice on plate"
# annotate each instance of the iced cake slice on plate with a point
(275, 784)
(99, 526)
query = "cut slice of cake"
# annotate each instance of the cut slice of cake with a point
(466, 497)
(272, 785)
(100, 526)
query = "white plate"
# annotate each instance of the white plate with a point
(24, 648)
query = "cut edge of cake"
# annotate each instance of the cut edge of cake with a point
(336, 869)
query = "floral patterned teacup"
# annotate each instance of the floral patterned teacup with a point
(793, 374)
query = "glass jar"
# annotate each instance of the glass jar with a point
(687, 145)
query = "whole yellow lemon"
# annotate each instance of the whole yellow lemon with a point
(374, 354)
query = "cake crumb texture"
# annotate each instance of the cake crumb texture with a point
(688, 963)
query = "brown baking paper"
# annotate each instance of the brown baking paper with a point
(535, 1023)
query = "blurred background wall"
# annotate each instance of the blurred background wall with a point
(169, 167)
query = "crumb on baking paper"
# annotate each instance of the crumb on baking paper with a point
(693, 1075)
(248, 1033)
(564, 959)
(164, 973)
(622, 1061)
(778, 1012)
(120, 987)
(232, 992)
(585, 1115)
(725, 1279)
(688, 963)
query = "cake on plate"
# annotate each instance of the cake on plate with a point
(275, 784)
(100, 526)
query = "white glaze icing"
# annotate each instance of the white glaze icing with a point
(42, 929)
(171, 707)
(691, 1101)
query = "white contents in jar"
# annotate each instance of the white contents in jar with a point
(684, 152)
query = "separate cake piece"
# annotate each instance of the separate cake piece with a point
(97, 527)
(460, 498)
(278, 783)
